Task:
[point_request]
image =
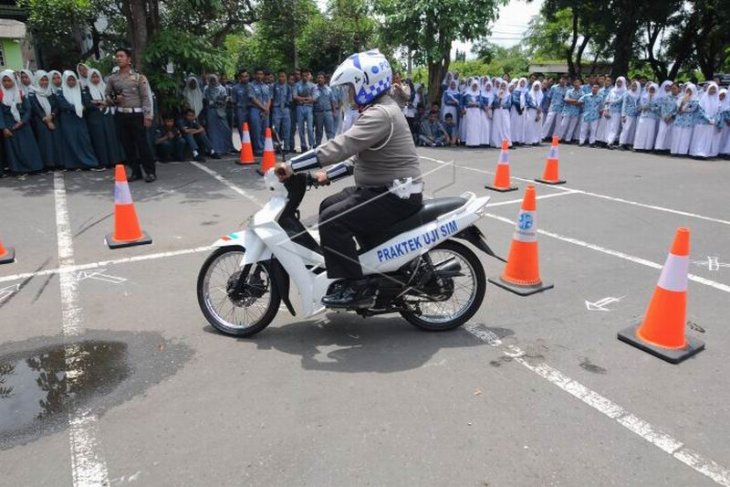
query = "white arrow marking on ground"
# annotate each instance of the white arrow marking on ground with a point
(99, 276)
(601, 303)
(712, 263)
(6, 292)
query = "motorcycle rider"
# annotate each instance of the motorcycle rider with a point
(379, 151)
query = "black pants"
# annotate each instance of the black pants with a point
(357, 211)
(133, 137)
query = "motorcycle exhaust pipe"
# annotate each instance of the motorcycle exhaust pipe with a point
(448, 268)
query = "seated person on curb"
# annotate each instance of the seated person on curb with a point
(196, 137)
(432, 133)
(452, 134)
(380, 151)
(169, 142)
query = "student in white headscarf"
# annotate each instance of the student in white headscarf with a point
(705, 131)
(21, 149)
(82, 74)
(517, 112)
(533, 114)
(500, 115)
(472, 114)
(44, 108)
(685, 121)
(56, 81)
(451, 101)
(649, 112)
(667, 101)
(724, 123)
(79, 153)
(100, 121)
(193, 95)
(25, 76)
(629, 115)
(614, 104)
(487, 97)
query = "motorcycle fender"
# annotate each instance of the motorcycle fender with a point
(475, 237)
(255, 248)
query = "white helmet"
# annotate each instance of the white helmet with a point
(369, 72)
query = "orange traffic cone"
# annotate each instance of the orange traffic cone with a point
(662, 331)
(7, 254)
(246, 148)
(550, 175)
(126, 225)
(521, 275)
(501, 178)
(269, 159)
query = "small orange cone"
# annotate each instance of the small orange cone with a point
(662, 331)
(521, 275)
(269, 159)
(126, 225)
(550, 175)
(7, 254)
(246, 148)
(501, 178)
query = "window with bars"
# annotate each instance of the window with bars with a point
(2, 54)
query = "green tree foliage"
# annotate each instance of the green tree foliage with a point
(429, 28)
(55, 24)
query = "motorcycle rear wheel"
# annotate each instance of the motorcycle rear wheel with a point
(466, 298)
(236, 315)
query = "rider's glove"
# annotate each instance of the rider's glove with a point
(305, 162)
(339, 171)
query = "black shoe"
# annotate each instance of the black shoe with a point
(351, 295)
(135, 177)
(150, 178)
(200, 158)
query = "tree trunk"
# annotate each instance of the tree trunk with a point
(685, 46)
(436, 73)
(569, 52)
(579, 56)
(137, 28)
(659, 68)
(624, 40)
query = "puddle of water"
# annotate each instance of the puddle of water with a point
(47, 382)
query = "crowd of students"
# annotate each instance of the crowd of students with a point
(677, 118)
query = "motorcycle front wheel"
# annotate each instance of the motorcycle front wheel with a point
(234, 312)
(467, 290)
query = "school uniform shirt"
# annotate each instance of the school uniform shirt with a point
(591, 107)
(304, 89)
(432, 130)
(281, 96)
(239, 96)
(323, 98)
(260, 92)
(557, 95)
(572, 110)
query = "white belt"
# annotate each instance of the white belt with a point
(130, 110)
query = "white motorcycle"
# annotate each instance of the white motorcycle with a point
(418, 266)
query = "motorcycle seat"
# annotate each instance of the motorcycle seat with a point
(429, 211)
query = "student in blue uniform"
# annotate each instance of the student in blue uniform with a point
(79, 153)
(629, 115)
(551, 126)
(282, 97)
(45, 111)
(169, 142)
(196, 137)
(687, 117)
(21, 149)
(304, 98)
(100, 121)
(259, 110)
(240, 101)
(591, 105)
(219, 132)
(571, 112)
(324, 111)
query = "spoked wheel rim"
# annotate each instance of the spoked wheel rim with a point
(464, 290)
(236, 311)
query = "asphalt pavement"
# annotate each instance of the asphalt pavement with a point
(110, 375)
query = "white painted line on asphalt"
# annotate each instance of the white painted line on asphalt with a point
(541, 197)
(88, 467)
(637, 260)
(610, 409)
(595, 195)
(223, 180)
(95, 265)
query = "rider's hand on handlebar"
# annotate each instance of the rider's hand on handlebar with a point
(321, 178)
(282, 171)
